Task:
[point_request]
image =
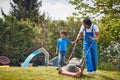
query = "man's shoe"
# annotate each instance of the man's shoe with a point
(88, 73)
(94, 72)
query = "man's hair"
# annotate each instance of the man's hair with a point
(87, 21)
(63, 32)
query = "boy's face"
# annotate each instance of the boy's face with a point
(62, 35)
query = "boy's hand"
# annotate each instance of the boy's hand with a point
(73, 42)
(77, 40)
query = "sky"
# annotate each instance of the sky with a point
(56, 9)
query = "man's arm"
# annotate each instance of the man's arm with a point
(97, 34)
(80, 34)
(96, 37)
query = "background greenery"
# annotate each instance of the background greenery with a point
(21, 35)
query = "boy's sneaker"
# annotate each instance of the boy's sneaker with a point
(58, 68)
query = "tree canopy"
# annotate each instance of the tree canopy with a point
(25, 9)
(97, 7)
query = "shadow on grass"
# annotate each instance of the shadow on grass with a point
(106, 77)
(86, 76)
(103, 77)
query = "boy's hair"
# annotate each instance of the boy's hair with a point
(63, 32)
(87, 21)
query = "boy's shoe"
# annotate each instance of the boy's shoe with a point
(59, 71)
(58, 68)
(64, 64)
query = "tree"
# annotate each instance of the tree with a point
(17, 39)
(89, 8)
(23, 9)
(108, 24)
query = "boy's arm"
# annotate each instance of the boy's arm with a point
(56, 50)
(57, 47)
(69, 42)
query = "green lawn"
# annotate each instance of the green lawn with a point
(50, 73)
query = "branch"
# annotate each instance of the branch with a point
(3, 13)
(93, 1)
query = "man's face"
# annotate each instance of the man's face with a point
(85, 25)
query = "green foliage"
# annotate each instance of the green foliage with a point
(111, 57)
(109, 27)
(109, 41)
(23, 9)
(107, 66)
(97, 7)
(110, 31)
(16, 39)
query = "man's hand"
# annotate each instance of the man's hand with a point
(92, 38)
(96, 37)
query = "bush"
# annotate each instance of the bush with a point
(112, 57)
(107, 66)
(109, 42)
(16, 39)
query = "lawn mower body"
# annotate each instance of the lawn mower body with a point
(72, 74)
(74, 68)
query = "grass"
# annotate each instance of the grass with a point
(50, 73)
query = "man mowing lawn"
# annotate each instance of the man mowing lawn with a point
(91, 33)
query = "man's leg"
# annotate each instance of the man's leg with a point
(88, 58)
(94, 56)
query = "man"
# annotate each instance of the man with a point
(91, 34)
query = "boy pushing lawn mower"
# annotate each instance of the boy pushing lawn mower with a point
(62, 48)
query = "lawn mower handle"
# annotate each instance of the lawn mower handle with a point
(81, 37)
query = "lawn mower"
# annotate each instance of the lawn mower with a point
(75, 66)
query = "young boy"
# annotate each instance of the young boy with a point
(62, 48)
